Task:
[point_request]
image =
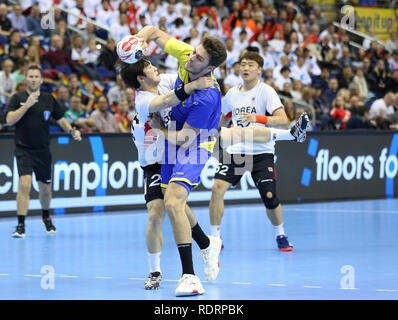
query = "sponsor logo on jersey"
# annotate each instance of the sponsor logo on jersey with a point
(46, 115)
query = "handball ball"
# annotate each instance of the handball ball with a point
(130, 49)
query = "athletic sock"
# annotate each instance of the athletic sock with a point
(200, 237)
(185, 250)
(280, 135)
(279, 231)
(21, 219)
(45, 214)
(215, 231)
(154, 262)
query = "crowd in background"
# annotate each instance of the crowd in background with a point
(311, 63)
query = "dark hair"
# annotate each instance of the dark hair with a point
(253, 49)
(130, 72)
(216, 50)
(250, 55)
(33, 67)
(361, 110)
(283, 69)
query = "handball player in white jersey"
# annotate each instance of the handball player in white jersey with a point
(155, 96)
(249, 144)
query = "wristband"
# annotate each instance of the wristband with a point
(180, 93)
(262, 119)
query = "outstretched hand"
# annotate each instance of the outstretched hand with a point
(76, 134)
(156, 121)
(203, 83)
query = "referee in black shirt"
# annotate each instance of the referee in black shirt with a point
(30, 112)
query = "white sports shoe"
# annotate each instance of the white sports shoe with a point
(189, 285)
(210, 258)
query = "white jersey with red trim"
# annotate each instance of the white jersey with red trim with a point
(262, 99)
(149, 145)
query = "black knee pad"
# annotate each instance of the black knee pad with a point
(265, 186)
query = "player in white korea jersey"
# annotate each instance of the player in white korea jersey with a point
(249, 144)
(155, 95)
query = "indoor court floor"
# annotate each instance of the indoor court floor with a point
(342, 251)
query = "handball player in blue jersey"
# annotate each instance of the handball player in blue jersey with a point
(189, 145)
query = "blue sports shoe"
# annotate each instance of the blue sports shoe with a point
(283, 244)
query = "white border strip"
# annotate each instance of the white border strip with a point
(117, 200)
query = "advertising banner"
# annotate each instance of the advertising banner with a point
(102, 172)
(382, 21)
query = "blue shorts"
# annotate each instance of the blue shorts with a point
(183, 167)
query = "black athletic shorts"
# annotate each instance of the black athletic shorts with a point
(152, 178)
(32, 160)
(261, 166)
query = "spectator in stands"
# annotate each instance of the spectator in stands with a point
(33, 22)
(7, 81)
(63, 96)
(233, 79)
(18, 20)
(62, 31)
(90, 53)
(392, 81)
(378, 79)
(221, 10)
(120, 28)
(241, 42)
(73, 84)
(393, 60)
(346, 59)
(56, 56)
(232, 53)
(331, 92)
(5, 23)
(78, 58)
(322, 80)
(130, 97)
(283, 78)
(296, 90)
(15, 40)
(78, 9)
(105, 15)
(300, 72)
(345, 78)
(121, 116)
(386, 104)
(33, 55)
(19, 73)
(77, 49)
(283, 62)
(117, 91)
(359, 79)
(88, 32)
(286, 91)
(104, 120)
(76, 115)
(17, 52)
(289, 109)
(320, 103)
(392, 43)
(108, 56)
(339, 113)
(360, 120)
(88, 95)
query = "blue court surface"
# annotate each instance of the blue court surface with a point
(343, 250)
